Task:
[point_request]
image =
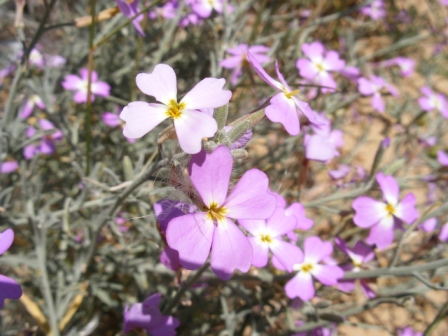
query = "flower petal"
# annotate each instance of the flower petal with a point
(280, 223)
(286, 253)
(250, 199)
(6, 239)
(208, 93)
(191, 235)
(327, 274)
(368, 211)
(141, 117)
(262, 73)
(210, 174)
(316, 250)
(9, 289)
(191, 127)
(260, 252)
(405, 210)
(284, 111)
(301, 286)
(389, 187)
(161, 83)
(382, 234)
(231, 250)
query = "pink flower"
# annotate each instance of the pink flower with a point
(193, 235)
(146, 315)
(408, 331)
(8, 167)
(238, 60)
(406, 65)
(283, 106)
(9, 288)
(376, 10)
(113, 120)
(373, 88)
(443, 234)
(130, 9)
(324, 144)
(383, 217)
(46, 144)
(79, 84)
(319, 65)
(191, 124)
(167, 11)
(429, 225)
(41, 60)
(340, 172)
(359, 255)
(433, 101)
(301, 285)
(204, 8)
(267, 235)
(28, 106)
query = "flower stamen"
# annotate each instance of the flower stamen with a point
(215, 212)
(291, 94)
(174, 110)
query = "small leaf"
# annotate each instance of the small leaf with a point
(220, 115)
(237, 131)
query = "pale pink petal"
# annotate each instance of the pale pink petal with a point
(250, 199)
(284, 253)
(210, 174)
(429, 225)
(368, 211)
(101, 89)
(425, 103)
(333, 62)
(8, 167)
(378, 102)
(231, 250)
(279, 223)
(253, 226)
(262, 73)
(306, 68)
(346, 286)
(141, 117)
(85, 75)
(191, 235)
(313, 50)
(327, 274)
(442, 157)
(27, 109)
(170, 259)
(301, 286)
(443, 234)
(316, 250)
(298, 211)
(306, 110)
(161, 83)
(208, 93)
(319, 148)
(110, 119)
(6, 239)
(406, 210)
(191, 127)
(365, 86)
(382, 234)
(283, 110)
(277, 264)
(260, 252)
(81, 97)
(389, 187)
(71, 82)
(231, 62)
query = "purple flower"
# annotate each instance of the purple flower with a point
(373, 88)
(9, 288)
(359, 255)
(406, 65)
(283, 106)
(408, 331)
(130, 9)
(376, 10)
(28, 106)
(167, 11)
(301, 285)
(9, 167)
(146, 315)
(340, 172)
(41, 60)
(323, 145)
(267, 235)
(429, 225)
(319, 65)
(443, 234)
(79, 84)
(238, 60)
(113, 120)
(433, 101)
(383, 217)
(190, 123)
(46, 144)
(204, 8)
(193, 235)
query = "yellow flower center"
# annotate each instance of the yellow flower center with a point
(306, 268)
(320, 67)
(174, 109)
(215, 212)
(266, 238)
(390, 209)
(290, 94)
